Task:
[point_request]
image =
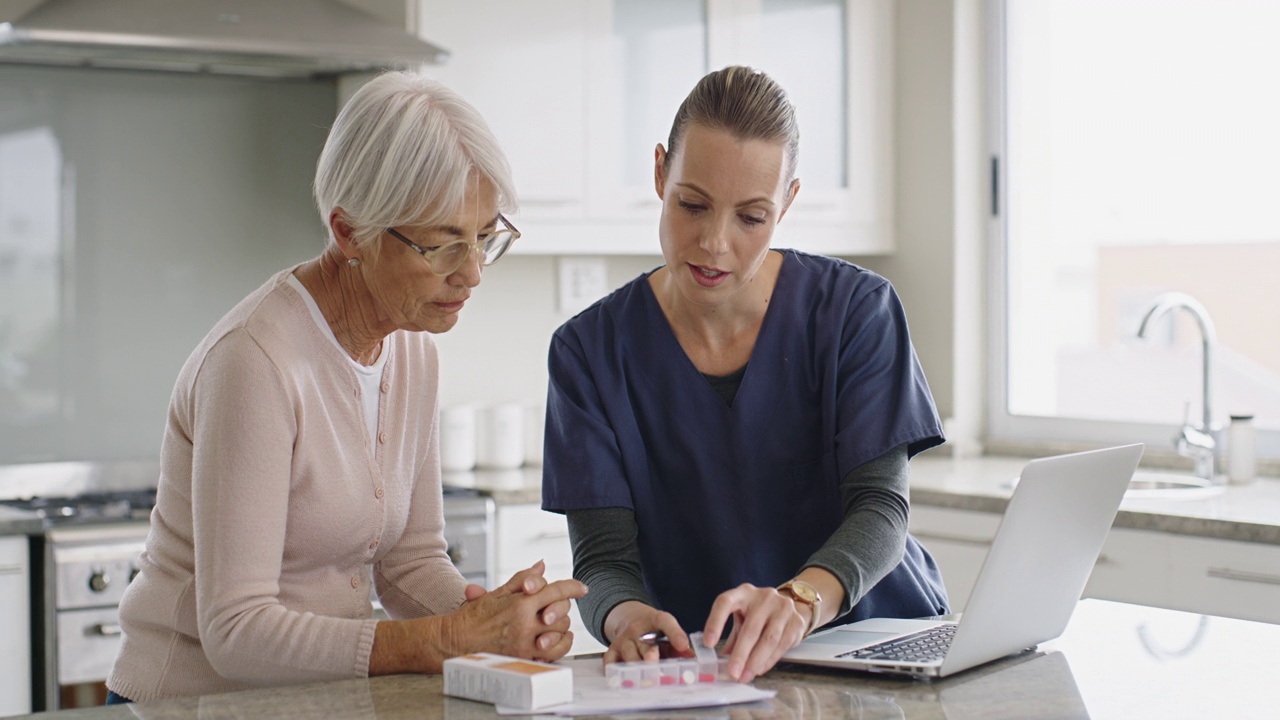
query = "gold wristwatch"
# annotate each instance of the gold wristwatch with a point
(807, 594)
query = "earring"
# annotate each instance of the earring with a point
(354, 262)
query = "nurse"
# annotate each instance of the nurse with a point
(729, 434)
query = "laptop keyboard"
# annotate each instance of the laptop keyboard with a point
(924, 646)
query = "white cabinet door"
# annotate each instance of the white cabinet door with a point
(958, 540)
(527, 534)
(1133, 567)
(523, 66)
(579, 92)
(15, 626)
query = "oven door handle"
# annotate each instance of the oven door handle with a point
(106, 629)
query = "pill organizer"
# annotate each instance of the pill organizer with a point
(704, 667)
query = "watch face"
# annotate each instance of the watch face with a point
(803, 591)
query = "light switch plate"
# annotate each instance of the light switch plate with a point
(582, 281)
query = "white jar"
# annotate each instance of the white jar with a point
(458, 438)
(500, 437)
(1240, 449)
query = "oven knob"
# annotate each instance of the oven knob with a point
(99, 581)
(456, 554)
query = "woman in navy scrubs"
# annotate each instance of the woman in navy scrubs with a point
(729, 433)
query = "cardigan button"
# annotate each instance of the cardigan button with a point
(382, 437)
(386, 387)
(355, 581)
(378, 492)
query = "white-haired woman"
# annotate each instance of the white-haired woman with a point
(302, 449)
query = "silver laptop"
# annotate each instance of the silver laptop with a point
(1039, 562)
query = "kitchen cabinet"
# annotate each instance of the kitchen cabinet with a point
(579, 92)
(958, 541)
(15, 626)
(526, 534)
(1181, 572)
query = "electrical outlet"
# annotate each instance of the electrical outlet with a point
(583, 280)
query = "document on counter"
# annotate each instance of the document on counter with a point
(593, 696)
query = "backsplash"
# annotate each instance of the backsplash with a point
(136, 209)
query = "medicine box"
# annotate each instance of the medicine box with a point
(507, 681)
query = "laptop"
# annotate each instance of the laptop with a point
(1040, 559)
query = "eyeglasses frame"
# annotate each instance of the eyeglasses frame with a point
(475, 245)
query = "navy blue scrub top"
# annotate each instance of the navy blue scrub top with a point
(724, 495)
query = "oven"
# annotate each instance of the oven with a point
(89, 552)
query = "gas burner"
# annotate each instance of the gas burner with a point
(89, 507)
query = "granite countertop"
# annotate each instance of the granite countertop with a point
(1114, 660)
(1249, 513)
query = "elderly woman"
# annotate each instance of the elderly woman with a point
(301, 458)
(729, 433)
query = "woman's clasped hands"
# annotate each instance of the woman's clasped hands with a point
(525, 617)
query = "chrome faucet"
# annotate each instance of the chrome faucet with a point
(1191, 441)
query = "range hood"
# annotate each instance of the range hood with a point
(260, 38)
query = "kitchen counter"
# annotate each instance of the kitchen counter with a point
(1249, 513)
(19, 522)
(1114, 660)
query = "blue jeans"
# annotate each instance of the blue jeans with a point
(114, 699)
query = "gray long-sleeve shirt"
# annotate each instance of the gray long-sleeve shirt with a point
(866, 546)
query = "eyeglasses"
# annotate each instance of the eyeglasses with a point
(446, 259)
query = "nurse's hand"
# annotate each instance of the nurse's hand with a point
(629, 620)
(766, 624)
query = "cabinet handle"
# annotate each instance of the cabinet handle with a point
(10, 569)
(551, 535)
(944, 537)
(1243, 575)
(106, 630)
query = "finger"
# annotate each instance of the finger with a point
(558, 591)
(628, 649)
(546, 641)
(676, 636)
(555, 611)
(474, 592)
(752, 624)
(559, 649)
(527, 581)
(725, 605)
(769, 645)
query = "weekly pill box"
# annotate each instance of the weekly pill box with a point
(507, 681)
(704, 667)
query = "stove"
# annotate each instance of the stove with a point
(89, 552)
(92, 507)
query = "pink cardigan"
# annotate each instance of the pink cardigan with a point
(272, 506)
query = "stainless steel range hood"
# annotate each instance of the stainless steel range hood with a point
(261, 38)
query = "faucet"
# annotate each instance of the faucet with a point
(1191, 441)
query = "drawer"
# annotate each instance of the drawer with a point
(1225, 577)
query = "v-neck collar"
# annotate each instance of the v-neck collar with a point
(735, 429)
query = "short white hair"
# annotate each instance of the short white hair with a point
(403, 151)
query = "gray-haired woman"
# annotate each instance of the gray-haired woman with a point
(302, 447)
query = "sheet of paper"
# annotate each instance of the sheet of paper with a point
(591, 696)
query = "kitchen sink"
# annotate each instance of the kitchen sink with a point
(1163, 486)
(1170, 486)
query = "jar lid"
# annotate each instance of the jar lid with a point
(1241, 417)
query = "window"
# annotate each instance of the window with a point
(1138, 153)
